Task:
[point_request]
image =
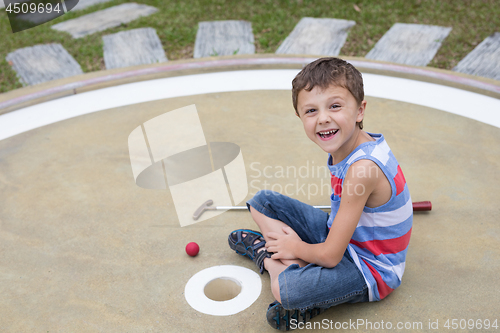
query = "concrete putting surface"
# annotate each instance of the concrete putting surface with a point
(85, 249)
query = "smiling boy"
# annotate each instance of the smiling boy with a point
(357, 252)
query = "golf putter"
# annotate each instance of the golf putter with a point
(207, 205)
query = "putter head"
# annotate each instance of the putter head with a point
(205, 206)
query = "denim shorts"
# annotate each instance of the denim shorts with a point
(311, 286)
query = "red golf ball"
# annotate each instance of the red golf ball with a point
(192, 249)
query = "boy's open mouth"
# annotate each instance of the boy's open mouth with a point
(327, 134)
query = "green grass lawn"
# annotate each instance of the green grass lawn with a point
(272, 20)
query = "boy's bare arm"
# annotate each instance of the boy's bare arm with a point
(357, 188)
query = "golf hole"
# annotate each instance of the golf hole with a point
(222, 289)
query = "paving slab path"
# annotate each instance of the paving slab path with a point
(318, 36)
(42, 63)
(484, 60)
(220, 38)
(409, 44)
(104, 19)
(133, 47)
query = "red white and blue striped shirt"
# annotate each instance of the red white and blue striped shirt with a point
(380, 241)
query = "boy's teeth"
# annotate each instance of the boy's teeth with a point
(329, 132)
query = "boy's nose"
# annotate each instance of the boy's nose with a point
(324, 117)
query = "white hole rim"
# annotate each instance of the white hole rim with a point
(250, 282)
(453, 100)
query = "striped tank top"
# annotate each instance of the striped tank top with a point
(380, 241)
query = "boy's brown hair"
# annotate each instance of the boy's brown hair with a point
(324, 72)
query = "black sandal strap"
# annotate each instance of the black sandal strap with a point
(259, 259)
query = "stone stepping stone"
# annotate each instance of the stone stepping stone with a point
(133, 47)
(82, 4)
(316, 36)
(409, 44)
(219, 38)
(104, 19)
(484, 60)
(42, 63)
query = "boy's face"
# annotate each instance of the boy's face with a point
(329, 117)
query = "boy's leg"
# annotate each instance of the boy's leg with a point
(316, 286)
(272, 211)
(306, 292)
(275, 268)
(266, 225)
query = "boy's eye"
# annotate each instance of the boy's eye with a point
(334, 106)
(310, 110)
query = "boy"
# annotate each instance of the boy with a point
(357, 252)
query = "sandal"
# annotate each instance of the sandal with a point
(284, 320)
(246, 247)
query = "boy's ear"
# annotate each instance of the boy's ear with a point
(361, 111)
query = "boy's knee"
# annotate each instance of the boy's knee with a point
(261, 198)
(265, 197)
(263, 194)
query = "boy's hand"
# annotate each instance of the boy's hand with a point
(283, 245)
